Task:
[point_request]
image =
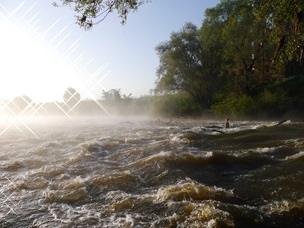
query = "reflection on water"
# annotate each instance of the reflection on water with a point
(147, 173)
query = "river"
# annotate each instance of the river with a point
(151, 173)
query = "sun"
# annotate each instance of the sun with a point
(31, 66)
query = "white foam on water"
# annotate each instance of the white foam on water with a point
(264, 150)
(295, 156)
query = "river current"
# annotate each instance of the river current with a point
(151, 173)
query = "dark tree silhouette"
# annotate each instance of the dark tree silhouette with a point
(91, 12)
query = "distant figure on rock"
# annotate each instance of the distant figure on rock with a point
(227, 123)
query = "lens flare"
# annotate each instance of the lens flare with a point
(38, 64)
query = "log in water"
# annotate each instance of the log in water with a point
(144, 173)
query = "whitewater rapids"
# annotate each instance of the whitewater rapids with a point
(151, 173)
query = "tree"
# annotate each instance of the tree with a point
(91, 12)
(212, 45)
(178, 104)
(286, 21)
(71, 97)
(114, 95)
(20, 105)
(184, 66)
(245, 43)
(285, 18)
(244, 50)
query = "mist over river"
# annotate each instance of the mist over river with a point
(151, 173)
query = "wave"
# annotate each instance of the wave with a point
(185, 190)
(296, 156)
(155, 176)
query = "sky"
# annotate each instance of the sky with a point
(43, 50)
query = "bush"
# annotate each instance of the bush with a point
(179, 104)
(235, 106)
(294, 89)
(282, 97)
(273, 102)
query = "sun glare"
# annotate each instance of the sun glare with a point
(30, 66)
(39, 62)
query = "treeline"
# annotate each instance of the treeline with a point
(246, 59)
(240, 62)
(277, 100)
(110, 103)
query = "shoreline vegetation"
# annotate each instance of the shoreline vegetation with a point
(272, 105)
(245, 61)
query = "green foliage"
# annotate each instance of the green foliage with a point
(285, 19)
(275, 100)
(90, 13)
(294, 91)
(115, 95)
(235, 62)
(282, 97)
(274, 103)
(234, 106)
(294, 87)
(236, 53)
(179, 104)
(187, 66)
(115, 102)
(179, 60)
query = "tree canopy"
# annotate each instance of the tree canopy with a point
(114, 95)
(242, 50)
(285, 19)
(71, 97)
(92, 12)
(185, 66)
(242, 47)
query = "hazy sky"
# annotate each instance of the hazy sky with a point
(43, 51)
